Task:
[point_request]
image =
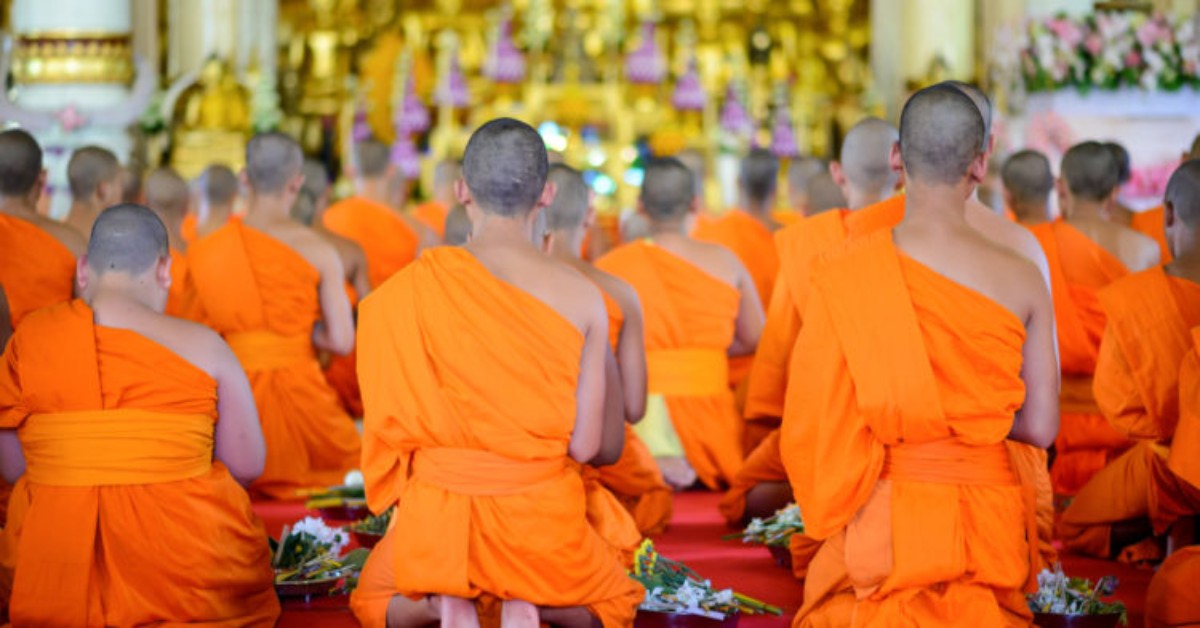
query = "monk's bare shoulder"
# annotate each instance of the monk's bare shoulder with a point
(718, 261)
(1140, 251)
(569, 292)
(1011, 235)
(619, 289)
(66, 235)
(196, 344)
(1008, 276)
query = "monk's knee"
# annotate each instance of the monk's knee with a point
(569, 617)
(766, 498)
(404, 612)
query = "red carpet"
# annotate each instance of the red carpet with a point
(695, 539)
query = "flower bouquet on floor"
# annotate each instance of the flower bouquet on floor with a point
(1062, 601)
(775, 533)
(340, 503)
(677, 596)
(307, 560)
(369, 531)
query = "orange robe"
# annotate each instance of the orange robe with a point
(1173, 598)
(341, 372)
(1150, 222)
(764, 464)
(473, 449)
(387, 241)
(433, 215)
(122, 517)
(896, 447)
(191, 228)
(1150, 317)
(634, 479)
(1183, 461)
(1078, 269)
(262, 297)
(690, 317)
(182, 301)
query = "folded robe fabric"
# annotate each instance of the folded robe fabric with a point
(122, 518)
(262, 297)
(1079, 268)
(1150, 317)
(388, 242)
(469, 388)
(690, 317)
(896, 447)
(1173, 599)
(182, 300)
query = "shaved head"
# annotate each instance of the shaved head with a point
(865, 157)
(760, 175)
(458, 226)
(1194, 153)
(981, 100)
(316, 183)
(569, 209)
(371, 158)
(694, 161)
(1091, 171)
(89, 167)
(1183, 193)
(167, 193)
(1027, 178)
(1124, 166)
(941, 134)
(219, 185)
(126, 238)
(824, 194)
(20, 163)
(446, 173)
(272, 160)
(505, 167)
(668, 189)
(800, 171)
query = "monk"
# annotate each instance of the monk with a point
(864, 177)
(1173, 598)
(896, 437)
(457, 231)
(1087, 252)
(432, 213)
(275, 290)
(634, 478)
(1028, 183)
(128, 509)
(800, 174)
(95, 179)
(473, 449)
(340, 370)
(1150, 221)
(218, 194)
(1150, 316)
(824, 194)
(701, 308)
(168, 195)
(390, 238)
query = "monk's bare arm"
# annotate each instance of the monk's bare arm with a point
(748, 327)
(12, 458)
(335, 331)
(238, 440)
(631, 355)
(5, 320)
(612, 439)
(1036, 422)
(360, 279)
(589, 394)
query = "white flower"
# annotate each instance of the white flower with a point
(333, 538)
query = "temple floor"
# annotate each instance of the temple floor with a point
(694, 538)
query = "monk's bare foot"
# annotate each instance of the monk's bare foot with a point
(572, 617)
(403, 612)
(518, 614)
(457, 612)
(765, 498)
(677, 472)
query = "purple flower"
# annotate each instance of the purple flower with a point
(404, 156)
(452, 91)
(413, 116)
(362, 128)
(645, 66)
(506, 64)
(783, 138)
(733, 115)
(689, 94)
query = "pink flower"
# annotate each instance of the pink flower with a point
(1093, 44)
(1133, 59)
(70, 118)
(1066, 30)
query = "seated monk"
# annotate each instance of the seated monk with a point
(701, 307)
(1150, 221)
(474, 451)
(1086, 253)
(37, 254)
(96, 181)
(896, 436)
(634, 478)
(1173, 598)
(458, 227)
(863, 175)
(390, 238)
(1028, 183)
(340, 370)
(1150, 317)
(275, 290)
(167, 194)
(218, 194)
(130, 432)
(433, 212)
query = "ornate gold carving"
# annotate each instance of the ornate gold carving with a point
(73, 57)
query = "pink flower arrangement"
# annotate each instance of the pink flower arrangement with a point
(645, 65)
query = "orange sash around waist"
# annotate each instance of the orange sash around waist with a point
(687, 372)
(477, 472)
(116, 447)
(949, 461)
(1076, 395)
(265, 351)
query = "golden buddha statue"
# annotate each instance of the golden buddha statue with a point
(211, 121)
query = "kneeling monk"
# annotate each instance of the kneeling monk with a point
(121, 516)
(482, 371)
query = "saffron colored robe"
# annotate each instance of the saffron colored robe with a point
(182, 300)
(896, 447)
(342, 374)
(1182, 460)
(690, 318)
(764, 464)
(262, 297)
(387, 241)
(122, 517)
(433, 215)
(1079, 268)
(634, 479)
(1150, 317)
(469, 385)
(1173, 598)
(1150, 222)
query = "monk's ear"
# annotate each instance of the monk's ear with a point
(895, 159)
(83, 274)
(837, 174)
(1169, 216)
(35, 193)
(978, 170)
(589, 215)
(244, 180)
(548, 194)
(162, 272)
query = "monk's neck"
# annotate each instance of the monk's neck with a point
(858, 199)
(668, 229)
(219, 214)
(1030, 215)
(568, 245)
(759, 211)
(17, 206)
(269, 208)
(938, 205)
(1086, 210)
(374, 190)
(496, 230)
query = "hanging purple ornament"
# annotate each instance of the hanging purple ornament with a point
(361, 131)
(783, 138)
(452, 91)
(404, 156)
(734, 119)
(506, 64)
(689, 94)
(413, 116)
(645, 65)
